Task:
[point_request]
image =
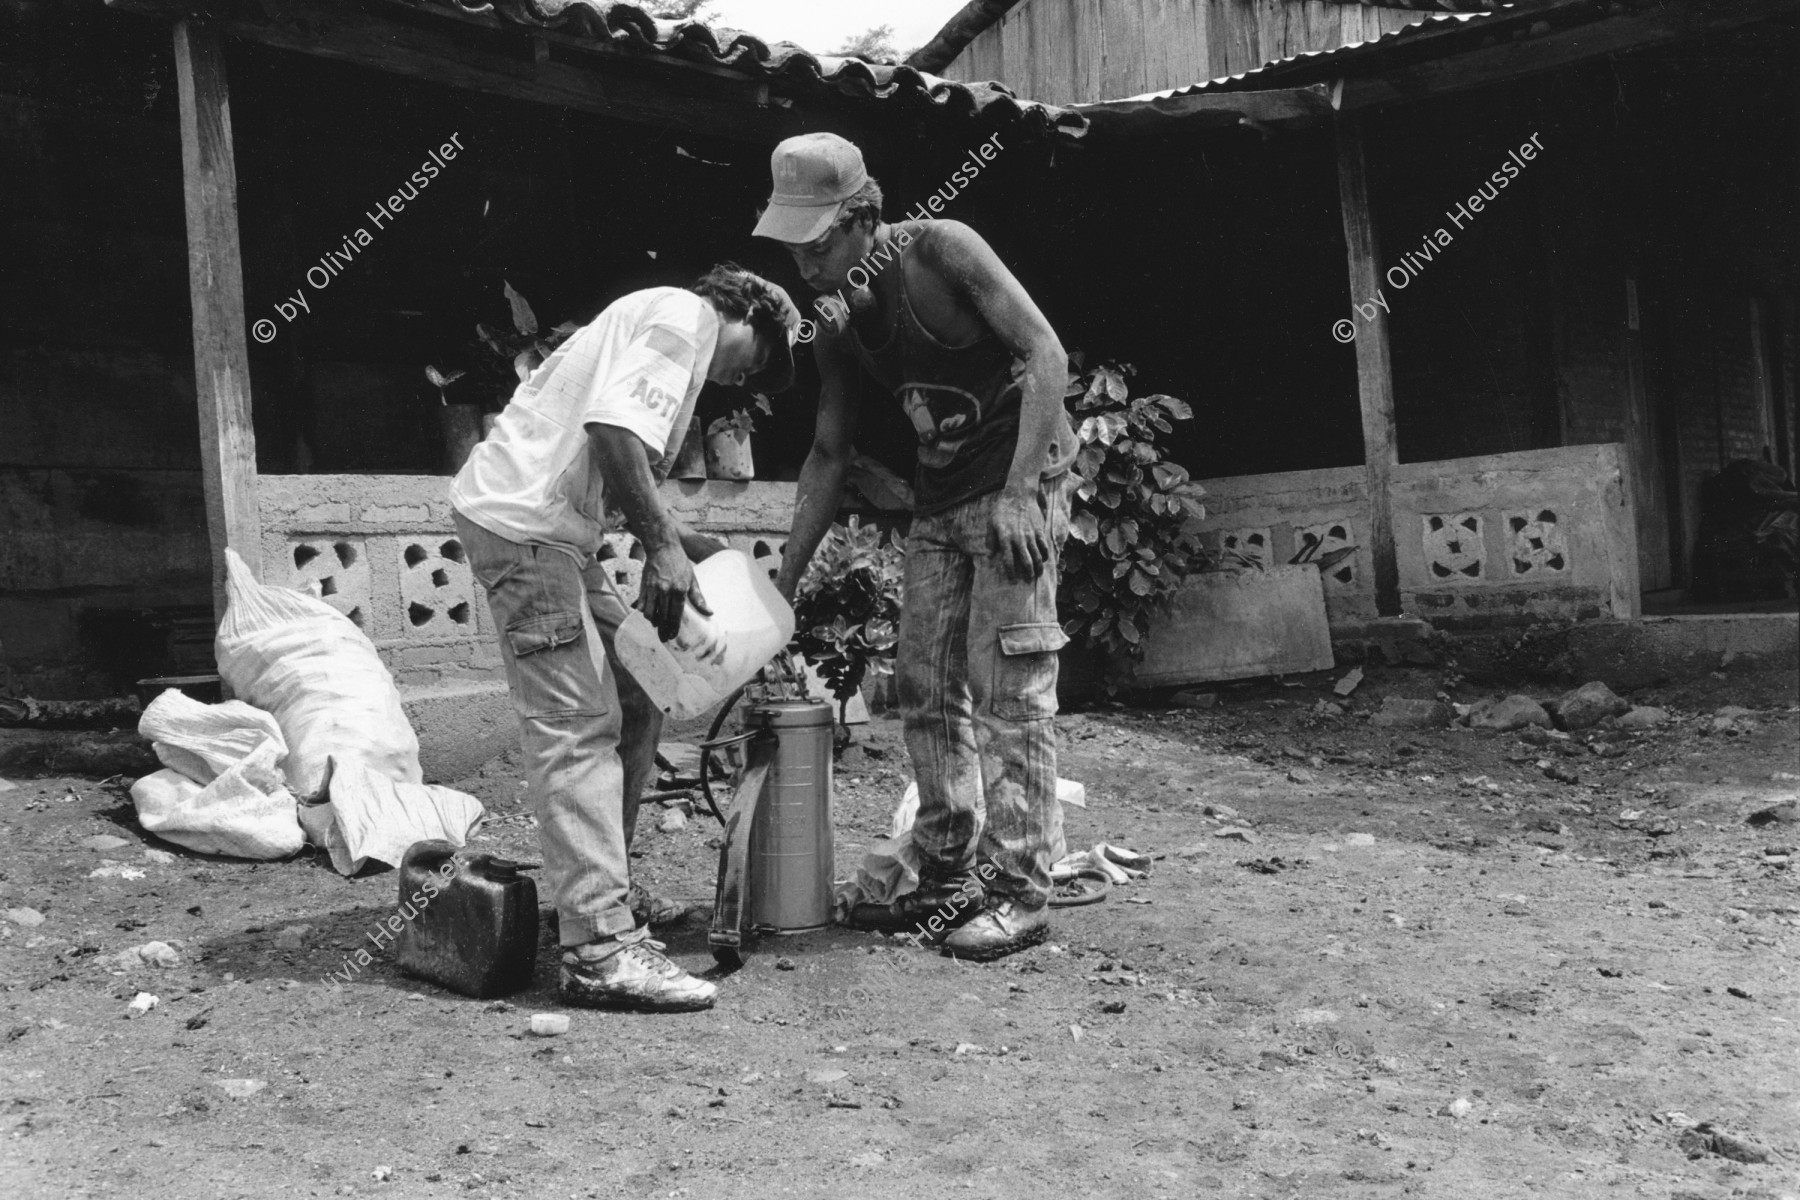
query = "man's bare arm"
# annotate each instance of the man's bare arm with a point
(968, 265)
(668, 580)
(696, 545)
(822, 476)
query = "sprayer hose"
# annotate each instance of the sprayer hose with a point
(712, 742)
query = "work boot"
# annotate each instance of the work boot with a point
(631, 972)
(652, 910)
(948, 901)
(1001, 927)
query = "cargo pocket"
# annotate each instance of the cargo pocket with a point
(1025, 671)
(553, 674)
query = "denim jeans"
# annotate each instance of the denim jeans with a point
(976, 670)
(589, 733)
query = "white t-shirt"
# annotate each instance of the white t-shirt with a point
(640, 366)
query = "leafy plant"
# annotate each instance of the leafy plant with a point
(740, 419)
(847, 608)
(875, 44)
(504, 360)
(678, 10)
(1128, 552)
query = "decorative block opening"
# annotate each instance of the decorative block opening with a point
(621, 555)
(1332, 546)
(437, 589)
(336, 572)
(356, 617)
(1453, 546)
(1245, 547)
(1535, 543)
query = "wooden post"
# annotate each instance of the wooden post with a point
(1374, 376)
(216, 289)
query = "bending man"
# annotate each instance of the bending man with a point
(601, 420)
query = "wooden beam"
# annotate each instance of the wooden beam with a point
(1374, 373)
(1529, 52)
(216, 289)
(446, 52)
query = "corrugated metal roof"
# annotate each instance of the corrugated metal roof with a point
(627, 27)
(1438, 35)
(1272, 75)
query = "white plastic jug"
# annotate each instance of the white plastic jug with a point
(748, 616)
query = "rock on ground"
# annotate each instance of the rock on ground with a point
(1588, 705)
(1644, 717)
(1513, 712)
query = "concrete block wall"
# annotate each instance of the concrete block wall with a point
(1500, 537)
(382, 550)
(1269, 518)
(1485, 540)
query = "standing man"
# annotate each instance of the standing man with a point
(601, 421)
(937, 319)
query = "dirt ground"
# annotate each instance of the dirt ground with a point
(1412, 964)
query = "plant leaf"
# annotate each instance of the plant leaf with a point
(1179, 409)
(524, 320)
(1333, 558)
(1168, 475)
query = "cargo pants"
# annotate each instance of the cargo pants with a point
(588, 731)
(976, 674)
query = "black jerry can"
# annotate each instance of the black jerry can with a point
(474, 927)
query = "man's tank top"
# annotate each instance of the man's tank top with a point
(963, 402)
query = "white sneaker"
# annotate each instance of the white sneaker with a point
(634, 974)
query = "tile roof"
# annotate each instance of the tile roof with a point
(627, 27)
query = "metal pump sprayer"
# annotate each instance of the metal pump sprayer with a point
(775, 863)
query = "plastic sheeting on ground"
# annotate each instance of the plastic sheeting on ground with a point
(890, 867)
(203, 741)
(246, 811)
(370, 816)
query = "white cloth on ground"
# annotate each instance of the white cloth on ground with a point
(370, 816)
(246, 811)
(890, 867)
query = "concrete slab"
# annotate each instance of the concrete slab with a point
(1238, 625)
(460, 726)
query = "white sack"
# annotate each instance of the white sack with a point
(302, 660)
(203, 741)
(371, 816)
(244, 812)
